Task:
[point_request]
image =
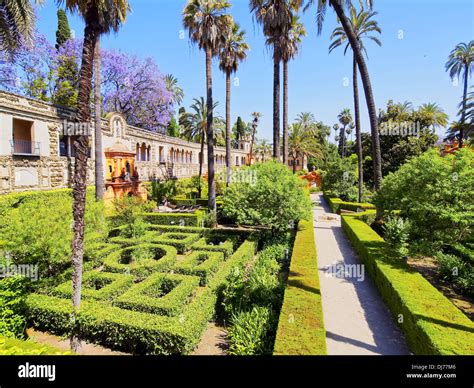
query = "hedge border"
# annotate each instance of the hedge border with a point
(169, 238)
(337, 204)
(187, 219)
(144, 267)
(301, 325)
(226, 247)
(431, 323)
(17, 347)
(119, 284)
(171, 304)
(200, 263)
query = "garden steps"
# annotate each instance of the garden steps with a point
(356, 319)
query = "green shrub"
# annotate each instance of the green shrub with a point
(37, 230)
(162, 294)
(248, 334)
(456, 270)
(271, 196)
(301, 325)
(435, 194)
(200, 263)
(431, 323)
(141, 260)
(160, 191)
(128, 215)
(226, 247)
(13, 291)
(340, 177)
(16, 347)
(337, 204)
(396, 233)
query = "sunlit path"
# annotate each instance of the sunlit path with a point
(356, 319)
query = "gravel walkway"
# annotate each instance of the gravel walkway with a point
(356, 319)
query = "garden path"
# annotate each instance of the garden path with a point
(355, 317)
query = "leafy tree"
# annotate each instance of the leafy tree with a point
(63, 33)
(340, 176)
(173, 128)
(435, 194)
(271, 196)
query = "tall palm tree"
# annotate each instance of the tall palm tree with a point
(338, 6)
(17, 20)
(196, 127)
(208, 26)
(100, 17)
(461, 60)
(302, 142)
(254, 125)
(98, 154)
(362, 25)
(290, 44)
(275, 16)
(231, 54)
(345, 118)
(173, 87)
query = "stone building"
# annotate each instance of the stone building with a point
(37, 151)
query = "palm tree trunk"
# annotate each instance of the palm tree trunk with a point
(80, 167)
(228, 160)
(285, 113)
(210, 135)
(201, 161)
(358, 132)
(99, 161)
(369, 96)
(254, 129)
(463, 113)
(276, 102)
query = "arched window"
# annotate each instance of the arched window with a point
(171, 154)
(137, 152)
(143, 152)
(148, 156)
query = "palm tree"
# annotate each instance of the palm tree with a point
(362, 26)
(432, 115)
(100, 16)
(461, 60)
(17, 20)
(275, 16)
(231, 54)
(173, 87)
(263, 148)
(338, 6)
(290, 44)
(98, 154)
(256, 120)
(208, 26)
(196, 129)
(345, 118)
(302, 142)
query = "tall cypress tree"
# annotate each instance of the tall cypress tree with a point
(63, 33)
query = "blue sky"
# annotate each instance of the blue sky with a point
(417, 38)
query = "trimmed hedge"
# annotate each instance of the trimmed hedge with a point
(226, 247)
(200, 263)
(98, 285)
(184, 219)
(301, 325)
(431, 323)
(125, 330)
(162, 294)
(143, 259)
(337, 204)
(181, 200)
(181, 241)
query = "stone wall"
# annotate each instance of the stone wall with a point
(49, 170)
